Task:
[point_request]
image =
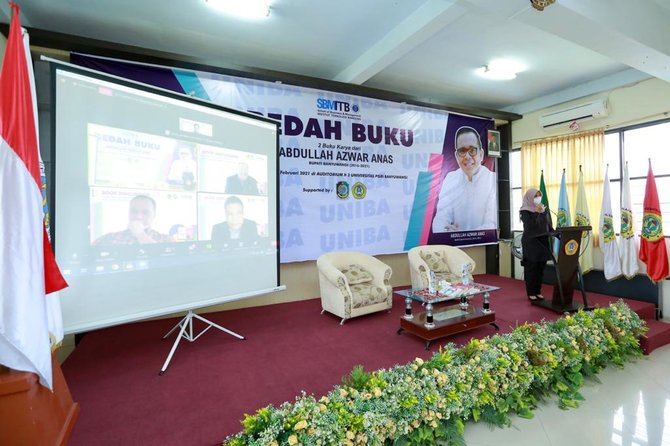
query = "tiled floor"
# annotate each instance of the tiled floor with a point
(630, 406)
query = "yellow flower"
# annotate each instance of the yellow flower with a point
(377, 391)
(343, 393)
(322, 408)
(273, 443)
(350, 435)
(419, 361)
(293, 440)
(300, 425)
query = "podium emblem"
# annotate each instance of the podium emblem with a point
(571, 247)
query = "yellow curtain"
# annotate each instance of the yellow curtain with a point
(569, 152)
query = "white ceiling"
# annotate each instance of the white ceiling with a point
(426, 49)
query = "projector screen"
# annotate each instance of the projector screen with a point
(162, 203)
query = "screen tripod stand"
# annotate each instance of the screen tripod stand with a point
(186, 332)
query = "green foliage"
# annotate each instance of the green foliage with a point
(487, 380)
(358, 378)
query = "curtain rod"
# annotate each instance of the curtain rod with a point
(566, 135)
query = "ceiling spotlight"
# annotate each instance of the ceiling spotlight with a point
(500, 70)
(251, 9)
(541, 4)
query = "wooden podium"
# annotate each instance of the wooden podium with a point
(567, 271)
(32, 414)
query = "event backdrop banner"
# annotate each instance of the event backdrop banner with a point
(356, 173)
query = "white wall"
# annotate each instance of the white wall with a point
(644, 101)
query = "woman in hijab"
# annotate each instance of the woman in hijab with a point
(534, 241)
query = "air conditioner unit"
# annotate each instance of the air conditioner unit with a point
(577, 113)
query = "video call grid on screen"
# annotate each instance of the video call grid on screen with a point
(151, 187)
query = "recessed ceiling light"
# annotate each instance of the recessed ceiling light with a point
(500, 69)
(251, 9)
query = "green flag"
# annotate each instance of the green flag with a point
(543, 189)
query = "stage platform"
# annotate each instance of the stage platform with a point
(289, 348)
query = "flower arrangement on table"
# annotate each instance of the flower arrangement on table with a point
(426, 402)
(449, 290)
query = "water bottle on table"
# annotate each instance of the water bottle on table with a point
(431, 283)
(466, 278)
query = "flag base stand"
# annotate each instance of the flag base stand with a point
(186, 332)
(25, 404)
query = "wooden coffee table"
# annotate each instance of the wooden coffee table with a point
(433, 323)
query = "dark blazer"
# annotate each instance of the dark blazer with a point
(248, 234)
(234, 185)
(535, 237)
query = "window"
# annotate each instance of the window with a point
(636, 146)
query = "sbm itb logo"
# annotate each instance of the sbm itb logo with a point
(329, 104)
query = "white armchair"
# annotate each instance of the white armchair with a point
(353, 284)
(444, 260)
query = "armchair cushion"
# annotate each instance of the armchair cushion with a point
(356, 274)
(435, 260)
(449, 277)
(364, 294)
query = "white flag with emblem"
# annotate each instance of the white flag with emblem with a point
(608, 243)
(628, 244)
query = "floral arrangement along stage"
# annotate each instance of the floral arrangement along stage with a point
(428, 402)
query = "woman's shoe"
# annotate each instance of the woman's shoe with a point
(539, 297)
(532, 298)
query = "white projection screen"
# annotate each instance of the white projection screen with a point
(162, 203)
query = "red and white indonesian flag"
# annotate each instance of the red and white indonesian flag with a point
(628, 245)
(608, 245)
(28, 270)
